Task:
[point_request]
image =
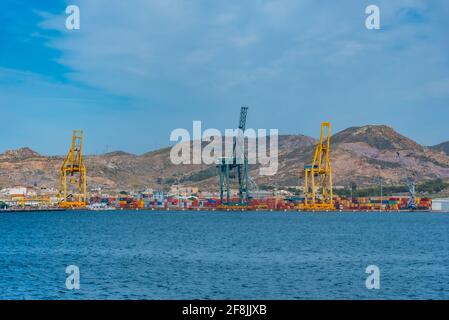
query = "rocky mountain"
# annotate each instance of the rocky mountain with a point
(360, 154)
(443, 147)
(20, 154)
(367, 153)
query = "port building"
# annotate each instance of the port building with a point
(441, 205)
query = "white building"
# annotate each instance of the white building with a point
(183, 190)
(441, 205)
(17, 191)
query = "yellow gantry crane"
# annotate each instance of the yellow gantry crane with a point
(72, 180)
(318, 175)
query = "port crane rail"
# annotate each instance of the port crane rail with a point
(411, 204)
(73, 173)
(318, 193)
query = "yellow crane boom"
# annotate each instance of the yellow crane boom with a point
(318, 175)
(72, 180)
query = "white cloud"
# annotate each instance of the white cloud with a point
(244, 40)
(141, 49)
(175, 60)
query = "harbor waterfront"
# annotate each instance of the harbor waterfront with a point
(223, 255)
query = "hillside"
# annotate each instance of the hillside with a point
(442, 147)
(359, 154)
(367, 153)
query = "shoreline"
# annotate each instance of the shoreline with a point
(32, 210)
(217, 210)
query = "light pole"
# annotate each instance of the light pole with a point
(381, 194)
(351, 186)
(352, 199)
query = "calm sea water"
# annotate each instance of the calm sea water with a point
(169, 255)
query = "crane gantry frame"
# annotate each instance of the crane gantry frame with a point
(318, 193)
(73, 172)
(237, 163)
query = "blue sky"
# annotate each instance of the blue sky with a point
(138, 69)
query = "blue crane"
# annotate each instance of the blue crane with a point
(236, 166)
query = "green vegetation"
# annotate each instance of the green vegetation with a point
(373, 191)
(266, 187)
(3, 205)
(431, 187)
(170, 181)
(201, 175)
(295, 191)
